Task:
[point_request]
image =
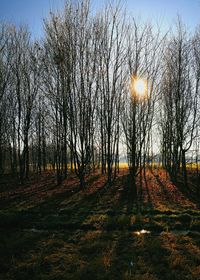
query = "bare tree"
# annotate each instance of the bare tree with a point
(180, 100)
(143, 67)
(111, 56)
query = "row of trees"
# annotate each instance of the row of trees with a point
(69, 100)
(180, 100)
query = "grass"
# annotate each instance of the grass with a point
(101, 255)
(93, 234)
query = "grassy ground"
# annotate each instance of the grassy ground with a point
(62, 232)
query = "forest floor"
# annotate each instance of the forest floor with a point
(61, 232)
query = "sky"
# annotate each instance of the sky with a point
(32, 12)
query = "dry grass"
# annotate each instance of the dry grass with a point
(90, 234)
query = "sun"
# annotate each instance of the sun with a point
(140, 86)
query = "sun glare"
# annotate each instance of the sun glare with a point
(140, 86)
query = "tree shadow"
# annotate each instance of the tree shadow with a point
(163, 187)
(192, 195)
(138, 256)
(149, 199)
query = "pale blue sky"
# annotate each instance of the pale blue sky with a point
(32, 12)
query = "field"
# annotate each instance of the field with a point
(62, 232)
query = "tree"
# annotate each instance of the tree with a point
(139, 101)
(111, 56)
(180, 100)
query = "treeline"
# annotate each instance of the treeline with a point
(68, 102)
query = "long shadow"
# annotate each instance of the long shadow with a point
(46, 214)
(150, 204)
(30, 191)
(168, 198)
(169, 254)
(50, 192)
(101, 202)
(187, 192)
(155, 257)
(163, 187)
(136, 202)
(129, 200)
(128, 195)
(122, 257)
(117, 197)
(180, 186)
(74, 213)
(139, 255)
